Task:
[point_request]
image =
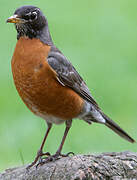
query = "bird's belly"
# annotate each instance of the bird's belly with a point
(49, 100)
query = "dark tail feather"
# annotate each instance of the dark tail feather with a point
(112, 125)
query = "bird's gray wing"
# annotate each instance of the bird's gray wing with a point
(68, 76)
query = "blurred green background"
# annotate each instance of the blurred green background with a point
(100, 39)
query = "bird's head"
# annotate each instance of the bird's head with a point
(29, 21)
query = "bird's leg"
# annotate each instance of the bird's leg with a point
(58, 153)
(40, 152)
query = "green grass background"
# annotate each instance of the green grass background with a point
(100, 39)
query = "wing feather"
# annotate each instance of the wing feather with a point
(68, 76)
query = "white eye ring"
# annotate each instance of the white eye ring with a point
(33, 15)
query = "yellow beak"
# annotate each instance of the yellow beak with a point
(15, 19)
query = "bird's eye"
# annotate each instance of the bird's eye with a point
(26, 17)
(33, 15)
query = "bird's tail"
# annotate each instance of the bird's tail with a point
(112, 125)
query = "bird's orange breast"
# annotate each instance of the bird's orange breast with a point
(37, 85)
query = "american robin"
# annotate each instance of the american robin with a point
(48, 83)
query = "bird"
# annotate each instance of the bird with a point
(48, 83)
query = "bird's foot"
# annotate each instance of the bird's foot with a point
(40, 156)
(52, 158)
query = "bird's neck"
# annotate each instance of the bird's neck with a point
(44, 36)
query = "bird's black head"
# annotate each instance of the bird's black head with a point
(30, 22)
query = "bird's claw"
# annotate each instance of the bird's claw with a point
(66, 155)
(39, 156)
(52, 158)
